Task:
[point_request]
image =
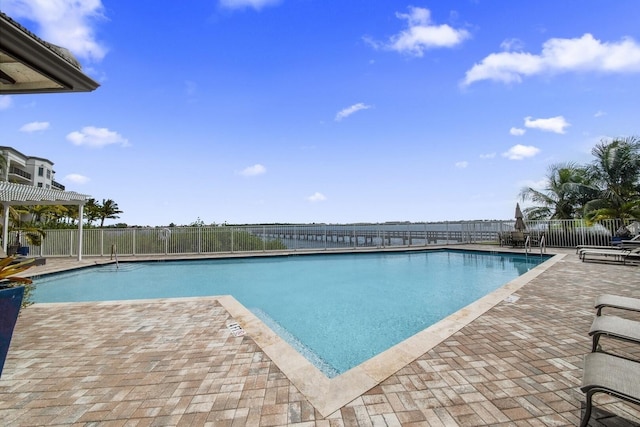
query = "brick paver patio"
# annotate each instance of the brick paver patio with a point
(175, 362)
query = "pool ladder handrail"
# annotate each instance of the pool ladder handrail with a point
(542, 244)
(114, 254)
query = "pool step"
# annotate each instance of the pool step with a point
(122, 267)
(294, 342)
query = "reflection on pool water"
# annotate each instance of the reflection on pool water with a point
(336, 309)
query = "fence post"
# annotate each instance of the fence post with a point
(447, 228)
(325, 237)
(355, 238)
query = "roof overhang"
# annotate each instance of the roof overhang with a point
(29, 64)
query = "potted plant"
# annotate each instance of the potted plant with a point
(11, 297)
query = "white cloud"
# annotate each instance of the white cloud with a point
(553, 124)
(67, 23)
(5, 102)
(34, 127)
(96, 137)
(241, 4)
(421, 34)
(316, 197)
(559, 55)
(461, 165)
(600, 113)
(254, 170)
(75, 178)
(512, 44)
(517, 131)
(519, 152)
(350, 110)
(488, 156)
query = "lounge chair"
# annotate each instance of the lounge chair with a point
(615, 255)
(629, 244)
(601, 249)
(615, 301)
(615, 376)
(20, 258)
(581, 248)
(618, 244)
(614, 327)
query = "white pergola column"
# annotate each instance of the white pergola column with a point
(5, 227)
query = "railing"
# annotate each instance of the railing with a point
(15, 171)
(269, 238)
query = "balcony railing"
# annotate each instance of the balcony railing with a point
(57, 186)
(15, 171)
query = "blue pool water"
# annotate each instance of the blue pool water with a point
(337, 309)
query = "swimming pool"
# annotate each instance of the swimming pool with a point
(336, 309)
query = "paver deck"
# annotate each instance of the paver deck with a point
(175, 362)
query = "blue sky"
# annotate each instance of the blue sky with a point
(250, 111)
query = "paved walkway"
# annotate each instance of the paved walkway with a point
(175, 362)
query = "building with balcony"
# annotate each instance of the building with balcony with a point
(28, 170)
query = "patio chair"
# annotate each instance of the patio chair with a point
(615, 376)
(615, 301)
(505, 239)
(517, 238)
(614, 327)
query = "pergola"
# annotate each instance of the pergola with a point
(25, 195)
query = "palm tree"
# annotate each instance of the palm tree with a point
(57, 215)
(32, 232)
(73, 214)
(566, 191)
(91, 211)
(616, 172)
(108, 210)
(45, 213)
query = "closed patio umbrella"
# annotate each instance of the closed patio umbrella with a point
(519, 219)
